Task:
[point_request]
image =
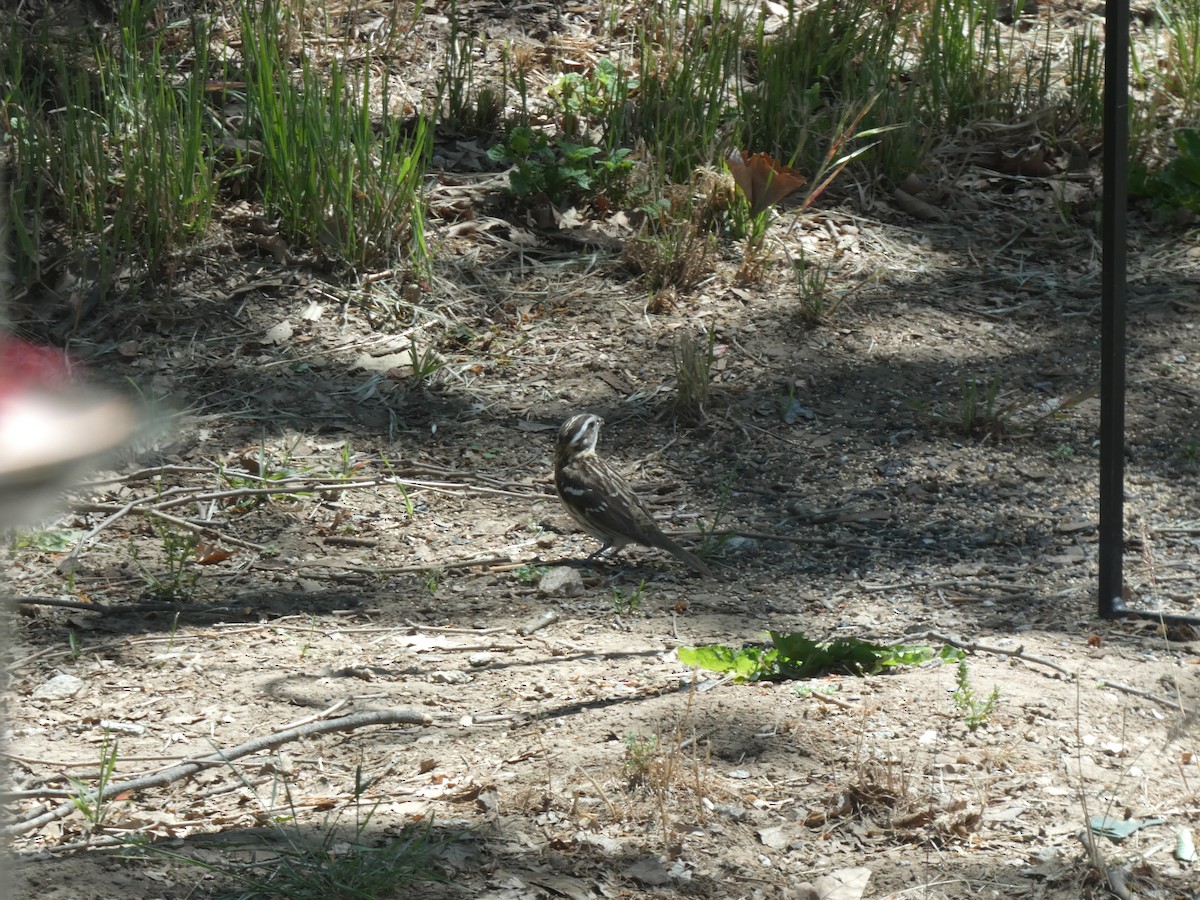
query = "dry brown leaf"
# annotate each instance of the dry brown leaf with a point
(763, 179)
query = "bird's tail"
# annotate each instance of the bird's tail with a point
(693, 561)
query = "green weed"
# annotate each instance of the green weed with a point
(625, 602)
(560, 170)
(688, 59)
(641, 756)
(110, 142)
(1188, 454)
(1181, 20)
(812, 290)
(89, 799)
(343, 863)
(980, 414)
(1177, 184)
(57, 540)
(466, 105)
(693, 375)
(599, 101)
(975, 712)
(433, 581)
(345, 183)
(530, 574)
(795, 656)
(178, 577)
(674, 251)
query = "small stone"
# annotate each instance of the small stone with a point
(561, 581)
(60, 687)
(649, 872)
(280, 333)
(449, 676)
(776, 838)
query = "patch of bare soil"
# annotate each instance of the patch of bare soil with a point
(562, 749)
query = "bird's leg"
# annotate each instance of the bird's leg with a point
(604, 552)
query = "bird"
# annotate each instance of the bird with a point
(600, 500)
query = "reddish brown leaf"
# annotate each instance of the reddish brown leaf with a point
(763, 179)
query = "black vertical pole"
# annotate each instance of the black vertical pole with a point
(1112, 328)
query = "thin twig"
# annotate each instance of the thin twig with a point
(1145, 695)
(55, 601)
(144, 474)
(1019, 653)
(220, 758)
(446, 629)
(298, 485)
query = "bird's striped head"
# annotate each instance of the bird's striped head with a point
(578, 435)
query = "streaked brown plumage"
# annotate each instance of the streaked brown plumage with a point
(600, 500)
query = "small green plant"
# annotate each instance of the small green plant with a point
(1177, 184)
(345, 862)
(179, 577)
(710, 541)
(89, 800)
(688, 54)
(57, 540)
(980, 414)
(308, 641)
(112, 158)
(812, 290)
(465, 104)
(627, 602)
(348, 462)
(1064, 453)
(975, 712)
(340, 167)
(410, 508)
(560, 170)
(518, 62)
(794, 656)
(265, 468)
(669, 768)
(1189, 454)
(597, 100)
(1181, 19)
(1085, 82)
(173, 633)
(530, 574)
(693, 376)
(426, 363)
(73, 645)
(674, 252)
(433, 581)
(756, 253)
(641, 756)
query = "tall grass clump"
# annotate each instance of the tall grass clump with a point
(963, 74)
(1084, 86)
(109, 144)
(971, 66)
(833, 60)
(463, 102)
(348, 186)
(689, 58)
(1181, 22)
(159, 127)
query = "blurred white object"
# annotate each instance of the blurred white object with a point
(50, 428)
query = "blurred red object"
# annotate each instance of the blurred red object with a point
(51, 426)
(25, 367)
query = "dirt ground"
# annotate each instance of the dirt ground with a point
(831, 458)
